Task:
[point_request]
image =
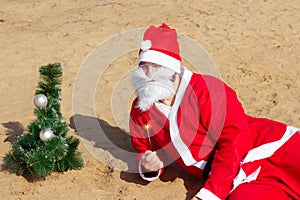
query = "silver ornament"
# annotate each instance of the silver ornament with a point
(40, 101)
(46, 134)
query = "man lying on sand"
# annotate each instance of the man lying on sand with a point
(198, 121)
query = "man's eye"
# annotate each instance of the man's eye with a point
(143, 66)
(156, 66)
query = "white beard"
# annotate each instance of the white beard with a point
(150, 90)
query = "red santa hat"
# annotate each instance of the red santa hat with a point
(160, 46)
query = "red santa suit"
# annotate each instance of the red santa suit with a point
(254, 158)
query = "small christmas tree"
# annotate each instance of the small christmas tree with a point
(44, 146)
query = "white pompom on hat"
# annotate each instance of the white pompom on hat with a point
(160, 46)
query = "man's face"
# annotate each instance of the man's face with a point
(149, 68)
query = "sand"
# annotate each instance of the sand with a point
(254, 44)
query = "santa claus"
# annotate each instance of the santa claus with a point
(198, 122)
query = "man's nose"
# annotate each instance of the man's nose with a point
(149, 71)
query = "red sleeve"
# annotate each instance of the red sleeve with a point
(138, 130)
(226, 122)
(137, 124)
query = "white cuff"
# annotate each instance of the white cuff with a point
(205, 194)
(147, 178)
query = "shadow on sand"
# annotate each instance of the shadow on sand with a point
(117, 143)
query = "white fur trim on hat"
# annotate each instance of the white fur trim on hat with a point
(160, 59)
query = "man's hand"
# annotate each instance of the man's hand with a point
(151, 162)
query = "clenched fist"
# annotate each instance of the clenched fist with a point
(151, 162)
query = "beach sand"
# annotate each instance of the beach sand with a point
(255, 46)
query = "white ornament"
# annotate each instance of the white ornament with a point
(46, 134)
(146, 45)
(40, 101)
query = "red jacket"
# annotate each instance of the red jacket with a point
(206, 117)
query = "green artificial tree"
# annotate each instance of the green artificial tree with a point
(44, 146)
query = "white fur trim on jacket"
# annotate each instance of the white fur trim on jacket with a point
(205, 194)
(243, 178)
(180, 146)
